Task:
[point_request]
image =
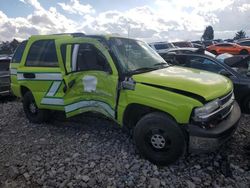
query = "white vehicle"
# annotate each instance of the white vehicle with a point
(161, 47)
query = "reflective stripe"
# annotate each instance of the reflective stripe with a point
(82, 104)
(42, 76)
(53, 101)
(13, 71)
(54, 88)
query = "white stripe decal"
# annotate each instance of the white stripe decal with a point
(13, 71)
(83, 104)
(46, 76)
(53, 101)
(54, 88)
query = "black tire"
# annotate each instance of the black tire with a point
(34, 114)
(214, 52)
(148, 135)
(246, 105)
(244, 52)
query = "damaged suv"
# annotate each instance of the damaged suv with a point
(170, 109)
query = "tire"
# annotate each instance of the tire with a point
(244, 52)
(31, 111)
(150, 134)
(214, 52)
(246, 105)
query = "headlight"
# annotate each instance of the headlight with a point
(206, 109)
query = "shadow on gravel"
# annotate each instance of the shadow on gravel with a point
(9, 98)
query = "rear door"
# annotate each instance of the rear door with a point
(40, 73)
(91, 79)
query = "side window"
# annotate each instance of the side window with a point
(42, 54)
(19, 52)
(204, 64)
(89, 58)
(224, 45)
(4, 65)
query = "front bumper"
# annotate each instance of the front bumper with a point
(201, 139)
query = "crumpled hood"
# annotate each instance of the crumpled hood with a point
(202, 83)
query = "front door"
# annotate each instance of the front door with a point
(90, 77)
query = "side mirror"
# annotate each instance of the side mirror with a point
(224, 73)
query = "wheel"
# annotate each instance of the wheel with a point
(31, 111)
(244, 52)
(214, 52)
(159, 139)
(246, 105)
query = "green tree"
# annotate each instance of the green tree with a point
(240, 35)
(208, 33)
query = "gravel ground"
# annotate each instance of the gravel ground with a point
(90, 151)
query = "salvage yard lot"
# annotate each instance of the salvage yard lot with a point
(90, 151)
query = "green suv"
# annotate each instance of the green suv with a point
(170, 109)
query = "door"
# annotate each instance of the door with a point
(90, 77)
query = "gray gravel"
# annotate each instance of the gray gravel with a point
(91, 151)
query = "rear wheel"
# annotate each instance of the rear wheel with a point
(34, 114)
(159, 139)
(244, 52)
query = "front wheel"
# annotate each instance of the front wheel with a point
(34, 114)
(159, 139)
(244, 52)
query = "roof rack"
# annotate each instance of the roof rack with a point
(72, 34)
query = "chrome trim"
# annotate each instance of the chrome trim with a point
(222, 107)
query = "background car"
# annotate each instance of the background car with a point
(230, 48)
(183, 44)
(194, 58)
(4, 75)
(244, 43)
(161, 47)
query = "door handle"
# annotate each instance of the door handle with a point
(29, 75)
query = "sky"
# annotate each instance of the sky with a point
(148, 20)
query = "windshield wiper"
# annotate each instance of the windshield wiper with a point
(142, 70)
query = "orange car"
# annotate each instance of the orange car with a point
(230, 48)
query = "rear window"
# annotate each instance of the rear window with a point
(42, 54)
(19, 52)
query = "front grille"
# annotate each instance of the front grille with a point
(226, 98)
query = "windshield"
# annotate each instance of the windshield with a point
(135, 55)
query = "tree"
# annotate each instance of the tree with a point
(240, 35)
(208, 33)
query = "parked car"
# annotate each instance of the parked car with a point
(203, 61)
(183, 44)
(244, 43)
(161, 47)
(4, 75)
(196, 45)
(168, 108)
(230, 48)
(208, 42)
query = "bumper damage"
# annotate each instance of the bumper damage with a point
(203, 140)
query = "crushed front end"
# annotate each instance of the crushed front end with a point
(213, 124)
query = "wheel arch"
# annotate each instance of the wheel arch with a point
(24, 90)
(135, 111)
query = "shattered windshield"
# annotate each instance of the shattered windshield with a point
(136, 56)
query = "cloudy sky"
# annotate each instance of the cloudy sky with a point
(149, 20)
